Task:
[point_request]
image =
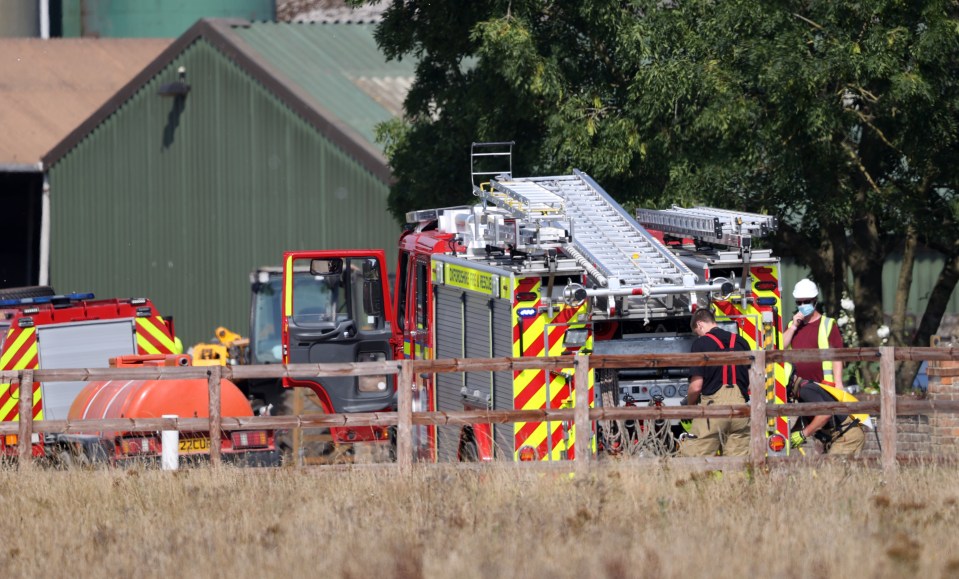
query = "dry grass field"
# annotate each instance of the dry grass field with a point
(830, 521)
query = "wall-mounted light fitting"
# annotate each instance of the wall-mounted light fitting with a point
(180, 88)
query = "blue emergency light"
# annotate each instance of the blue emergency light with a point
(45, 299)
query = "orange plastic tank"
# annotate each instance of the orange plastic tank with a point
(154, 398)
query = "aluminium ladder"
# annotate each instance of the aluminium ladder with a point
(607, 236)
(524, 200)
(734, 229)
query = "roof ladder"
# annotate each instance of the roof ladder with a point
(733, 229)
(485, 161)
(524, 200)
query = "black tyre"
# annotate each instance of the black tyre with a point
(309, 445)
(32, 291)
(468, 451)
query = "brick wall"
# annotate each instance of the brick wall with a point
(922, 435)
(913, 437)
(944, 385)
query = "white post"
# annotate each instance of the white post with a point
(170, 443)
(44, 19)
(44, 273)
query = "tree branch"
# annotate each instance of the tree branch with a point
(862, 169)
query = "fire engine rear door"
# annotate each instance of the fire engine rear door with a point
(79, 345)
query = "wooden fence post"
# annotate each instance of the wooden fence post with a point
(213, 381)
(404, 426)
(297, 435)
(584, 428)
(887, 408)
(757, 409)
(25, 441)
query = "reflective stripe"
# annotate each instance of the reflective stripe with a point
(539, 389)
(825, 328)
(152, 336)
(21, 353)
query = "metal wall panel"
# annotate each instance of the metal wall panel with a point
(79, 345)
(179, 199)
(502, 338)
(478, 343)
(153, 19)
(448, 305)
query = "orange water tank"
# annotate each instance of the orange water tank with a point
(154, 398)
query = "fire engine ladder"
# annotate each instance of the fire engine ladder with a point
(721, 227)
(524, 200)
(611, 240)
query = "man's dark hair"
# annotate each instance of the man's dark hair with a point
(701, 315)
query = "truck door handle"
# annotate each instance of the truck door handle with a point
(326, 332)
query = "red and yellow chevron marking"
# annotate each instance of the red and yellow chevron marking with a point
(768, 277)
(764, 284)
(19, 353)
(538, 389)
(153, 336)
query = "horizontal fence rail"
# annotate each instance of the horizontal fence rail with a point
(888, 406)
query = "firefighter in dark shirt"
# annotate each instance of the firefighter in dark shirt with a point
(839, 434)
(709, 385)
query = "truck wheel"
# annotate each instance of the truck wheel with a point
(468, 451)
(309, 445)
(70, 457)
(33, 291)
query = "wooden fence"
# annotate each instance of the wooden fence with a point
(888, 407)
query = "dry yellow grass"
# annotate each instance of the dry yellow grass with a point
(497, 522)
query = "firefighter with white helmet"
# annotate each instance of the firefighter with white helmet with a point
(810, 329)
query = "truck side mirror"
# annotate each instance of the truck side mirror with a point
(326, 266)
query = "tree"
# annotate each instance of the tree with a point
(839, 117)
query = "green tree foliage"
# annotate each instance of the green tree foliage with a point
(839, 117)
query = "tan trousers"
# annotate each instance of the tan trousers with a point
(850, 443)
(715, 434)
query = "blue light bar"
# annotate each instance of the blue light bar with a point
(46, 299)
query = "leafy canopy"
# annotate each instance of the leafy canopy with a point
(841, 118)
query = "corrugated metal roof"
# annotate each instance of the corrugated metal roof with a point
(48, 87)
(332, 75)
(339, 65)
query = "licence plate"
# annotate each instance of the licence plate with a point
(190, 445)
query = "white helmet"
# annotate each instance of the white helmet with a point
(805, 289)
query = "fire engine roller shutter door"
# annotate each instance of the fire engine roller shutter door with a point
(79, 345)
(448, 304)
(503, 381)
(478, 345)
(478, 342)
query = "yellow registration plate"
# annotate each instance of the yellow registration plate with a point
(189, 445)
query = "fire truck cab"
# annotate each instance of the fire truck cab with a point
(335, 310)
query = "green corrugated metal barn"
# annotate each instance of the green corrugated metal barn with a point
(240, 141)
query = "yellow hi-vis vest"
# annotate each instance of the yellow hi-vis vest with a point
(825, 327)
(843, 396)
